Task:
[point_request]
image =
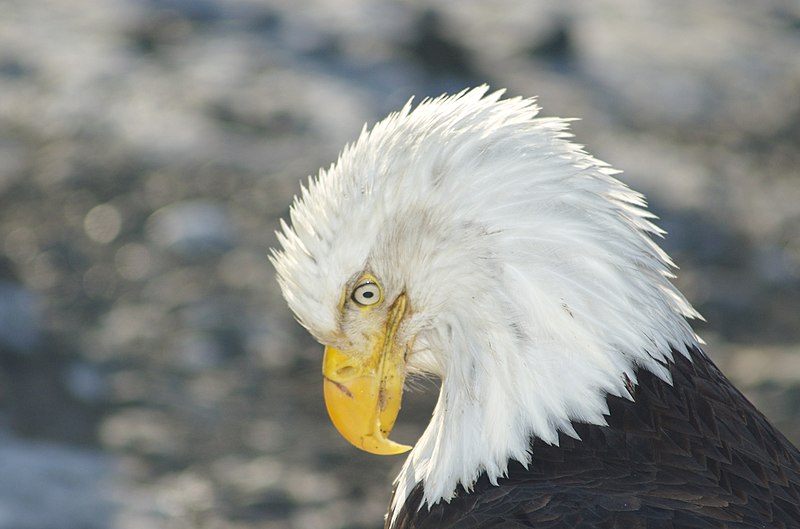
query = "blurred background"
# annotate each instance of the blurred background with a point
(150, 374)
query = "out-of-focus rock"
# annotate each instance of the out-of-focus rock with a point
(192, 228)
(20, 318)
(53, 486)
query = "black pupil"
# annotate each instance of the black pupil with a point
(368, 294)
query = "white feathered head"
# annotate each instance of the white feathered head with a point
(470, 240)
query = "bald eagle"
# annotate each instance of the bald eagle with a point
(470, 240)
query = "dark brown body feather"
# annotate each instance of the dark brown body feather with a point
(692, 455)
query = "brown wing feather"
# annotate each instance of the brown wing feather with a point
(692, 455)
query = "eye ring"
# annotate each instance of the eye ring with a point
(367, 293)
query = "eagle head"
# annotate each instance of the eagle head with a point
(470, 240)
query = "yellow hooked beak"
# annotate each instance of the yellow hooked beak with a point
(363, 392)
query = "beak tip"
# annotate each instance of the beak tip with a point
(383, 447)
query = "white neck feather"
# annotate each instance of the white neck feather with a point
(554, 365)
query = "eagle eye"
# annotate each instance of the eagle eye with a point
(367, 293)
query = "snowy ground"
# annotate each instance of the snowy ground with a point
(150, 374)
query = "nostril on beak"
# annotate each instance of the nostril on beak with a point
(346, 372)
